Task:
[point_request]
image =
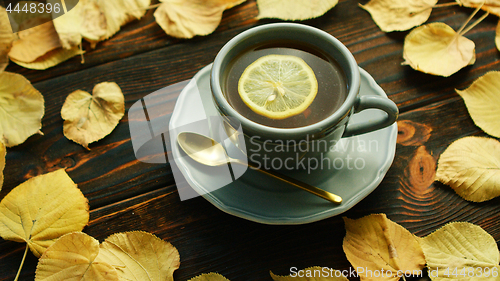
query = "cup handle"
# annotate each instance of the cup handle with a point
(366, 102)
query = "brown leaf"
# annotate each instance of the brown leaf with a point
(140, 256)
(376, 243)
(399, 15)
(471, 166)
(188, 18)
(294, 10)
(42, 209)
(21, 109)
(437, 49)
(6, 38)
(35, 42)
(491, 6)
(73, 257)
(89, 118)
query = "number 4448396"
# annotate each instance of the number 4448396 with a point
(471, 272)
(34, 8)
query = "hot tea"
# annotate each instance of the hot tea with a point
(331, 81)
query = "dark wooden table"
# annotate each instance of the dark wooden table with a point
(125, 194)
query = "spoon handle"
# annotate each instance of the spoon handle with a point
(302, 185)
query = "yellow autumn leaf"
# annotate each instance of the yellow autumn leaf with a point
(85, 20)
(21, 109)
(73, 257)
(209, 277)
(315, 273)
(120, 12)
(140, 256)
(97, 20)
(294, 10)
(437, 49)
(6, 38)
(471, 166)
(42, 209)
(399, 15)
(461, 251)
(482, 99)
(375, 243)
(89, 118)
(3, 153)
(188, 18)
(51, 58)
(35, 42)
(491, 6)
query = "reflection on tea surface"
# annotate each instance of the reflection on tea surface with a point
(332, 87)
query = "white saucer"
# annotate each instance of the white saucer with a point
(258, 198)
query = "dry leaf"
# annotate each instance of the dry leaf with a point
(73, 257)
(374, 243)
(294, 10)
(22, 109)
(89, 118)
(35, 42)
(140, 256)
(491, 6)
(437, 49)
(459, 250)
(315, 273)
(6, 38)
(186, 19)
(471, 166)
(497, 36)
(42, 209)
(97, 20)
(482, 99)
(85, 20)
(120, 12)
(51, 58)
(3, 153)
(399, 15)
(209, 277)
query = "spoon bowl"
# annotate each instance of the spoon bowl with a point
(207, 151)
(202, 149)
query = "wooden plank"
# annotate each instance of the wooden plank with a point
(210, 240)
(117, 178)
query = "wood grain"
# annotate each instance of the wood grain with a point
(126, 194)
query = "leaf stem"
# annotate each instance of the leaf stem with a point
(459, 32)
(64, 6)
(22, 263)
(475, 23)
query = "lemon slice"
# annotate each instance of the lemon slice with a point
(278, 86)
